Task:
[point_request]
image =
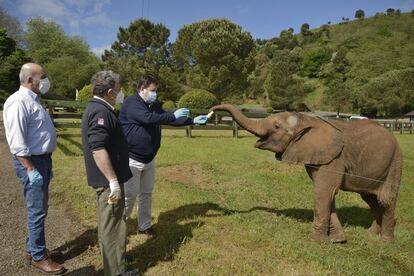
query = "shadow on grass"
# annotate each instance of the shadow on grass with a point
(80, 244)
(173, 232)
(70, 140)
(353, 216)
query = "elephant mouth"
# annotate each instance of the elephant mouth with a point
(262, 142)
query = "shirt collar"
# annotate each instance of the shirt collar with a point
(30, 93)
(99, 98)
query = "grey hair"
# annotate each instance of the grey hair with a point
(103, 81)
(26, 72)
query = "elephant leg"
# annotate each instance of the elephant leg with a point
(376, 213)
(388, 223)
(326, 183)
(336, 233)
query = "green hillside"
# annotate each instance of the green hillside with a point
(373, 47)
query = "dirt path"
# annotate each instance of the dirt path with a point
(62, 231)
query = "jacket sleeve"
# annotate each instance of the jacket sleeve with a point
(98, 133)
(136, 113)
(183, 121)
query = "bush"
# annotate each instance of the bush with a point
(85, 94)
(197, 98)
(168, 105)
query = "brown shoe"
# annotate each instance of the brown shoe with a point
(48, 266)
(55, 255)
(150, 232)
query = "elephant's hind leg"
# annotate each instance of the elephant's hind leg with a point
(336, 232)
(376, 213)
(388, 223)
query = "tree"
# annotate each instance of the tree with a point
(282, 88)
(360, 14)
(390, 11)
(12, 26)
(398, 12)
(338, 92)
(11, 60)
(140, 49)
(287, 40)
(215, 55)
(68, 60)
(313, 61)
(390, 94)
(304, 29)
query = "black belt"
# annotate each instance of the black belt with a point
(46, 155)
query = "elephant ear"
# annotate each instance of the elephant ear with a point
(316, 142)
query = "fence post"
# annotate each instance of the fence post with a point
(235, 130)
(402, 128)
(411, 128)
(188, 131)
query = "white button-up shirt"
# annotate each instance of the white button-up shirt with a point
(29, 128)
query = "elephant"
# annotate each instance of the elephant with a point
(359, 156)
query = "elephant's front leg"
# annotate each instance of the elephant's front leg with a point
(326, 183)
(336, 233)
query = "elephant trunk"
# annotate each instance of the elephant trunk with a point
(253, 126)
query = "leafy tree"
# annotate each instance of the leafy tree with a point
(398, 12)
(304, 29)
(11, 60)
(313, 61)
(283, 89)
(143, 48)
(287, 40)
(12, 26)
(390, 94)
(215, 55)
(390, 11)
(68, 61)
(360, 14)
(338, 92)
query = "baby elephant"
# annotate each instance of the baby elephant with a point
(359, 156)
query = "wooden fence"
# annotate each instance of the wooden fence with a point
(220, 121)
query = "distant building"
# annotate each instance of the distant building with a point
(410, 115)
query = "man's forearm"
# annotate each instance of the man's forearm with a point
(104, 164)
(26, 161)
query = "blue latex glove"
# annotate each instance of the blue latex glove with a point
(182, 112)
(35, 178)
(200, 120)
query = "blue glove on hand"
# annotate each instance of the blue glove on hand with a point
(200, 120)
(182, 112)
(35, 178)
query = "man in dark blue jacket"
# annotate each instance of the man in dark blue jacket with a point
(141, 118)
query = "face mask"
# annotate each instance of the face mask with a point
(44, 85)
(120, 97)
(152, 97)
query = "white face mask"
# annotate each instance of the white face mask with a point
(120, 97)
(44, 85)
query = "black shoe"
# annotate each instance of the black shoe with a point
(150, 232)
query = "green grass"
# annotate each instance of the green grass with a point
(222, 207)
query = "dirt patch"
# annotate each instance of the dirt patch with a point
(184, 174)
(63, 231)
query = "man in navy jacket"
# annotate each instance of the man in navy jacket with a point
(141, 119)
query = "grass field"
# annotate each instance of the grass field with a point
(222, 207)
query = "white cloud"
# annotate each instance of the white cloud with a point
(73, 13)
(100, 50)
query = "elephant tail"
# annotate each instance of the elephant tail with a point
(387, 194)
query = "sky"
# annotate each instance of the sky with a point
(97, 21)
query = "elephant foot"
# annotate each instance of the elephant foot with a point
(337, 238)
(318, 236)
(375, 229)
(387, 238)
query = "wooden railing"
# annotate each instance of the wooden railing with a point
(220, 121)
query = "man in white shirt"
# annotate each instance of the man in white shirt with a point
(32, 139)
